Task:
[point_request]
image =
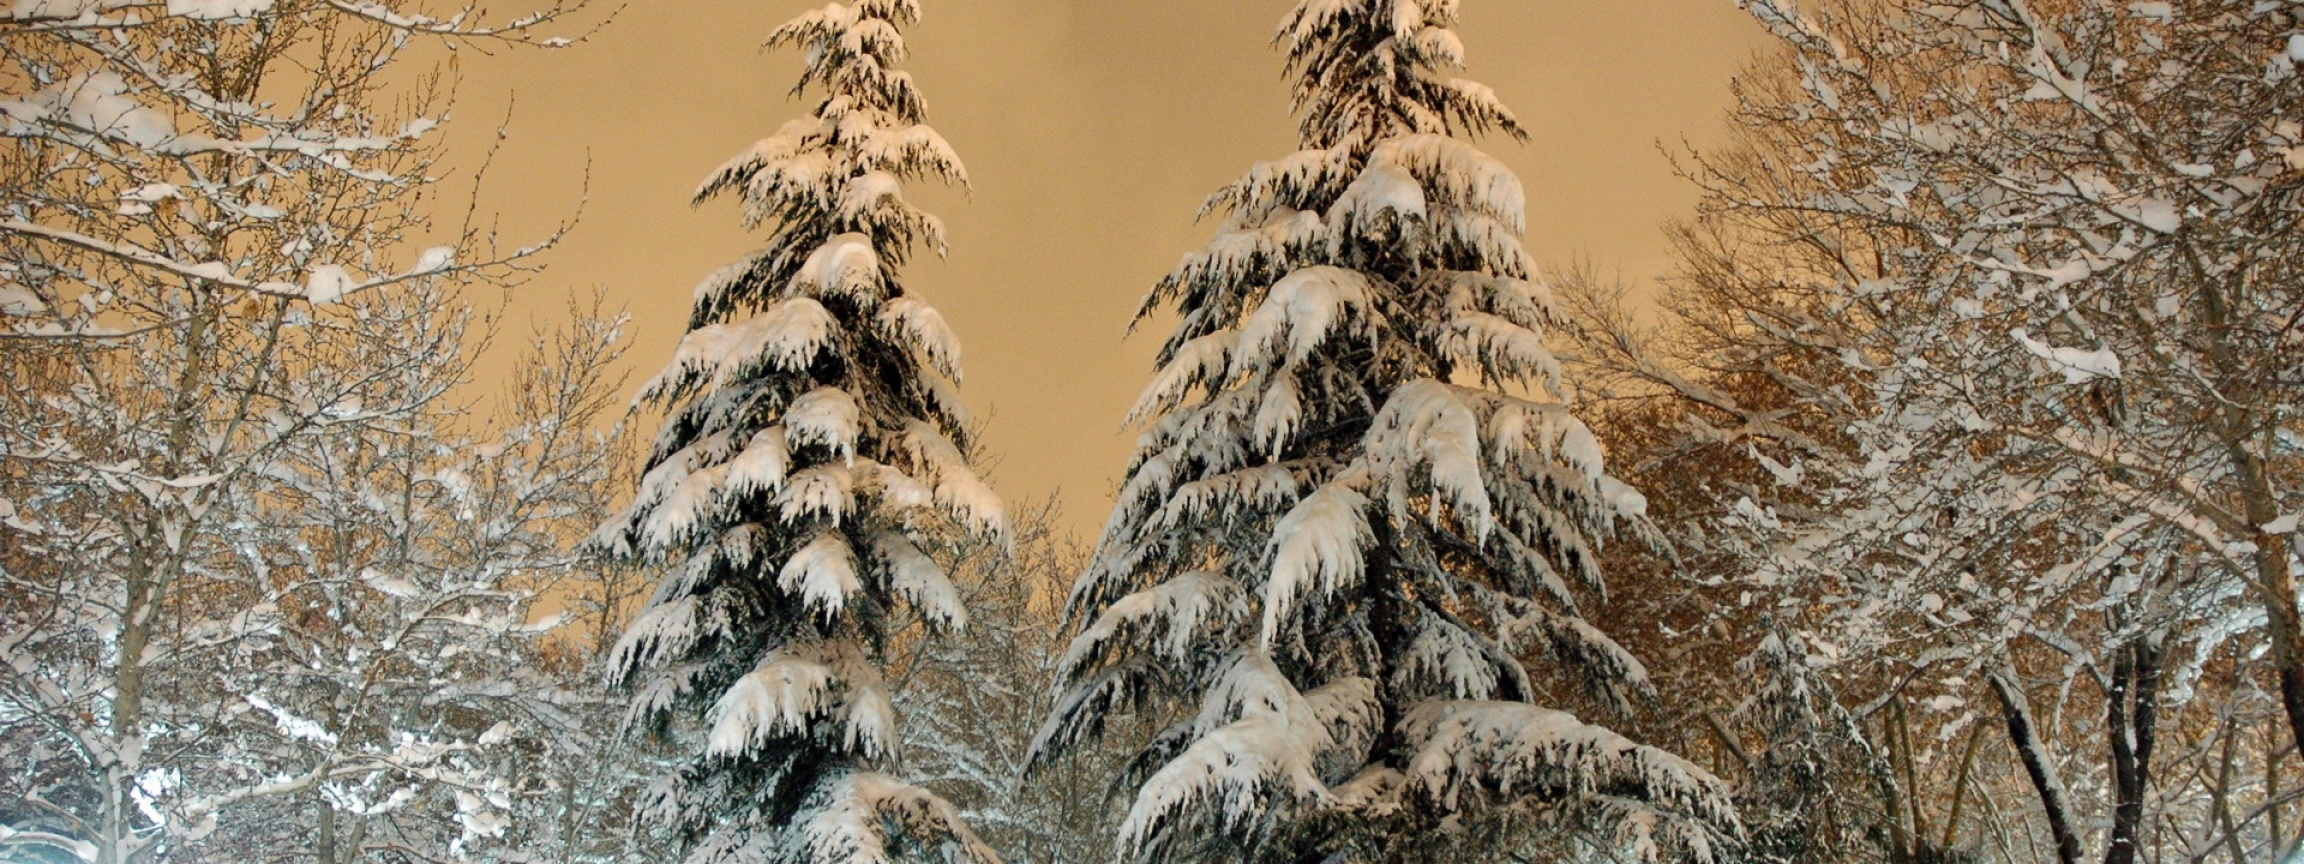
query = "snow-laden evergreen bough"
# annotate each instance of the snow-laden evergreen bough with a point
(813, 442)
(1350, 520)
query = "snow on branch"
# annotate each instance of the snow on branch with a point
(827, 417)
(1301, 176)
(1256, 754)
(789, 336)
(459, 25)
(957, 486)
(1201, 362)
(1473, 752)
(827, 491)
(329, 283)
(1253, 247)
(852, 50)
(920, 580)
(1428, 423)
(1226, 496)
(872, 818)
(660, 632)
(1302, 310)
(1170, 619)
(1383, 196)
(795, 688)
(2078, 365)
(1317, 550)
(919, 322)
(1462, 663)
(845, 265)
(822, 574)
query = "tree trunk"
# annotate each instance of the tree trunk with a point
(1915, 822)
(157, 556)
(327, 843)
(2131, 711)
(123, 765)
(2272, 790)
(2220, 795)
(2018, 713)
(2279, 590)
(2240, 430)
(1960, 787)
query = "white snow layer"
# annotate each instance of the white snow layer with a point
(826, 416)
(788, 336)
(919, 581)
(218, 9)
(2078, 365)
(662, 631)
(1471, 750)
(915, 319)
(793, 688)
(328, 283)
(822, 573)
(100, 102)
(1169, 618)
(18, 300)
(1199, 362)
(1304, 307)
(1425, 422)
(844, 265)
(1317, 548)
(825, 490)
(1459, 173)
(957, 486)
(763, 465)
(1235, 769)
(864, 808)
(1382, 190)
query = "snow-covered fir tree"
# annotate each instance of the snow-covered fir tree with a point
(1362, 506)
(813, 443)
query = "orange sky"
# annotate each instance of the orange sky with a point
(1092, 129)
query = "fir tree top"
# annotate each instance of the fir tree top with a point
(1367, 70)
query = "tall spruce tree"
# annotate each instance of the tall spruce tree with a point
(1361, 503)
(813, 442)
